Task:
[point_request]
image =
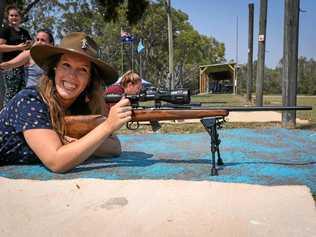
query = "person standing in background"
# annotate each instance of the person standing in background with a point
(31, 70)
(13, 39)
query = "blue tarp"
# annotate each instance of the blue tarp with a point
(256, 156)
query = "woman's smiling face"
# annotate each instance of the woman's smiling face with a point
(72, 76)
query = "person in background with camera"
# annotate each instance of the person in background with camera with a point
(130, 84)
(31, 70)
(13, 39)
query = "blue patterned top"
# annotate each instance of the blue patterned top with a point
(26, 110)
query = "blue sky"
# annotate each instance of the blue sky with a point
(217, 18)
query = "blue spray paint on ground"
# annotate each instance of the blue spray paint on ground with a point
(255, 156)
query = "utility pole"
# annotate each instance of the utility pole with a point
(236, 68)
(261, 51)
(290, 54)
(170, 43)
(250, 52)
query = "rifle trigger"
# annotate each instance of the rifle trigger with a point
(132, 125)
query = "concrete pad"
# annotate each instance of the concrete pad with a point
(92, 207)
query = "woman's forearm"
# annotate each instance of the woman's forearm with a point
(74, 153)
(5, 48)
(60, 157)
(18, 61)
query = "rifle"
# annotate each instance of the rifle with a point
(79, 125)
(180, 108)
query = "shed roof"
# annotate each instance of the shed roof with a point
(217, 68)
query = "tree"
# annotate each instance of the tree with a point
(272, 83)
(191, 49)
(306, 76)
(110, 12)
(50, 13)
(95, 18)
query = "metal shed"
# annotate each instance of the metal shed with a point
(218, 78)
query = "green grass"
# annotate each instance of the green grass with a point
(220, 100)
(236, 100)
(301, 100)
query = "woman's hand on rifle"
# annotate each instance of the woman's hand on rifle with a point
(120, 114)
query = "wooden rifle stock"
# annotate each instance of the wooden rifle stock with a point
(79, 125)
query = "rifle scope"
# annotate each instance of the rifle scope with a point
(171, 96)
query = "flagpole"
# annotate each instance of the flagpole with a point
(140, 66)
(122, 48)
(140, 49)
(132, 54)
(122, 56)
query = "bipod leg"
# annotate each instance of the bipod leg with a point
(217, 141)
(214, 170)
(219, 159)
(211, 124)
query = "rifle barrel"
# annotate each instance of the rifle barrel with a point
(266, 108)
(240, 108)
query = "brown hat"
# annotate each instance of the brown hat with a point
(78, 43)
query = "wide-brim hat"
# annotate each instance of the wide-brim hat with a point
(76, 43)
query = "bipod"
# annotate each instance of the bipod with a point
(211, 124)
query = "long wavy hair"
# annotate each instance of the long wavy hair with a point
(88, 102)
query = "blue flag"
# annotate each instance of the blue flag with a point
(140, 47)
